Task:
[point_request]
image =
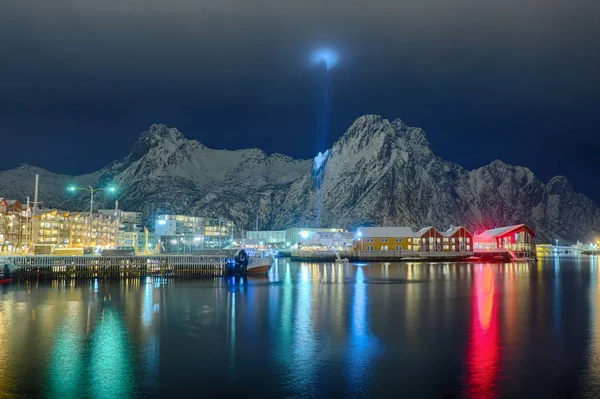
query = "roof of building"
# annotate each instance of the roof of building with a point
(452, 230)
(424, 230)
(386, 232)
(491, 234)
(332, 235)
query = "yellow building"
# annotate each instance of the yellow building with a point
(384, 239)
(72, 229)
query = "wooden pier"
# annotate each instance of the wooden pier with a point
(379, 256)
(52, 267)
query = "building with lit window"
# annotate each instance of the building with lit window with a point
(457, 239)
(517, 238)
(73, 229)
(13, 225)
(142, 241)
(384, 239)
(327, 241)
(185, 234)
(128, 221)
(274, 237)
(429, 240)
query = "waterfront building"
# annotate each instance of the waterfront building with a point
(128, 221)
(141, 241)
(13, 225)
(285, 238)
(517, 238)
(327, 241)
(429, 239)
(296, 234)
(184, 234)
(384, 239)
(73, 229)
(266, 237)
(457, 239)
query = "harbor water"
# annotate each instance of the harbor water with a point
(310, 330)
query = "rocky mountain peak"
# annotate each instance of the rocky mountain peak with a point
(378, 173)
(158, 135)
(559, 184)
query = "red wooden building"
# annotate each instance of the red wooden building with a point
(429, 239)
(517, 238)
(457, 239)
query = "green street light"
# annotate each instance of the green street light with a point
(72, 188)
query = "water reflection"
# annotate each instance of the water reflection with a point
(322, 330)
(304, 345)
(111, 373)
(362, 344)
(483, 349)
(67, 358)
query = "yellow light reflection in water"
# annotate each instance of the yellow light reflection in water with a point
(594, 351)
(6, 322)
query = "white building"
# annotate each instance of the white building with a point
(142, 241)
(129, 221)
(184, 234)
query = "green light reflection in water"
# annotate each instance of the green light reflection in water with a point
(111, 370)
(66, 363)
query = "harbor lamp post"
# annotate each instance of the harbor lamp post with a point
(91, 190)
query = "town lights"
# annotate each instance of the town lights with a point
(72, 188)
(305, 234)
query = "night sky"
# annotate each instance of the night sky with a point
(516, 80)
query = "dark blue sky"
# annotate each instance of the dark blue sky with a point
(514, 80)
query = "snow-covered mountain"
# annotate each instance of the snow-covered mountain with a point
(379, 173)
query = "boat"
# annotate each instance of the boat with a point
(259, 265)
(253, 262)
(6, 272)
(338, 259)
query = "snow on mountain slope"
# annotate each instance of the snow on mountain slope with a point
(379, 172)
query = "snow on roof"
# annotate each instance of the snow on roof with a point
(491, 234)
(424, 230)
(452, 230)
(386, 232)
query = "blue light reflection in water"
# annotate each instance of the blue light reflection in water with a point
(304, 345)
(363, 345)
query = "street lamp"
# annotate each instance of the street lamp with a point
(91, 190)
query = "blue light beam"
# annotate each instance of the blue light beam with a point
(325, 56)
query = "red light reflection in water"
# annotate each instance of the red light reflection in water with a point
(483, 354)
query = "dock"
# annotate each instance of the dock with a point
(379, 256)
(53, 267)
(413, 256)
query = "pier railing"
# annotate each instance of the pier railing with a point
(47, 267)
